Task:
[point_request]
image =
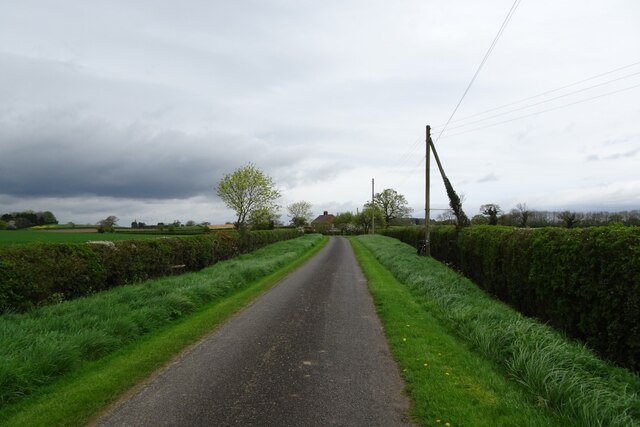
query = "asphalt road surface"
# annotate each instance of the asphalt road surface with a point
(310, 352)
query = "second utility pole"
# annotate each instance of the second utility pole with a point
(373, 211)
(427, 207)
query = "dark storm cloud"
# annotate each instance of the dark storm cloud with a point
(64, 155)
(126, 107)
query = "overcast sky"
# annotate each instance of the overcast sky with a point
(138, 108)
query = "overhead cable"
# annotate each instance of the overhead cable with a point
(542, 102)
(546, 111)
(514, 6)
(543, 93)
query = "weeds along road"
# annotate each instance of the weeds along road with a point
(310, 352)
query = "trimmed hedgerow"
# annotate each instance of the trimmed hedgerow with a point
(40, 274)
(557, 374)
(584, 282)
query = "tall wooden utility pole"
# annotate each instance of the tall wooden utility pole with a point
(373, 211)
(427, 207)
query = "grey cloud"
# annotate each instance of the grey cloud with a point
(614, 156)
(488, 178)
(65, 155)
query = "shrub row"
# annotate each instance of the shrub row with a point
(584, 282)
(557, 374)
(40, 274)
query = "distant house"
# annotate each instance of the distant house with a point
(324, 221)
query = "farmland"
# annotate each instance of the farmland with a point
(18, 237)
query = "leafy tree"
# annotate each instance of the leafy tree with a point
(569, 219)
(491, 211)
(365, 218)
(392, 204)
(479, 220)
(107, 224)
(247, 189)
(22, 222)
(345, 221)
(3, 224)
(300, 213)
(47, 217)
(263, 219)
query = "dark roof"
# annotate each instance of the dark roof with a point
(326, 218)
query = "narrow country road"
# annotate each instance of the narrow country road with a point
(310, 352)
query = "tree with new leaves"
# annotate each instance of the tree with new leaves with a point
(107, 224)
(392, 204)
(263, 219)
(365, 218)
(345, 221)
(247, 189)
(300, 213)
(491, 210)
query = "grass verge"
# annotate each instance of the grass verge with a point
(137, 328)
(448, 383)
(553, 373)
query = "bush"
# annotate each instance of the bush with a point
(40, 274)
(584, 282)
(562, 376)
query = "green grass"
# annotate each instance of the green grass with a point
(446, 381)
(551, 372)
(62, 364)
(20, 237)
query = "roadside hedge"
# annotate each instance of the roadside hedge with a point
(39, 274)
(584, 282)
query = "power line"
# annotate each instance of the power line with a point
(543, 101)
(544, 93)
(546, 111)
(406, 156)
(484, 60)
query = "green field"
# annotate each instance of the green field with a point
(19, 237)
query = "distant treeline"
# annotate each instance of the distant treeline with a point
(26, 219)
(537, 219)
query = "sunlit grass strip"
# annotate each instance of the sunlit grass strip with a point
(557, 373)
(447, 382)
(90, 385)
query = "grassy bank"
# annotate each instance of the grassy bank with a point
(550, 372)
(61, 364)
